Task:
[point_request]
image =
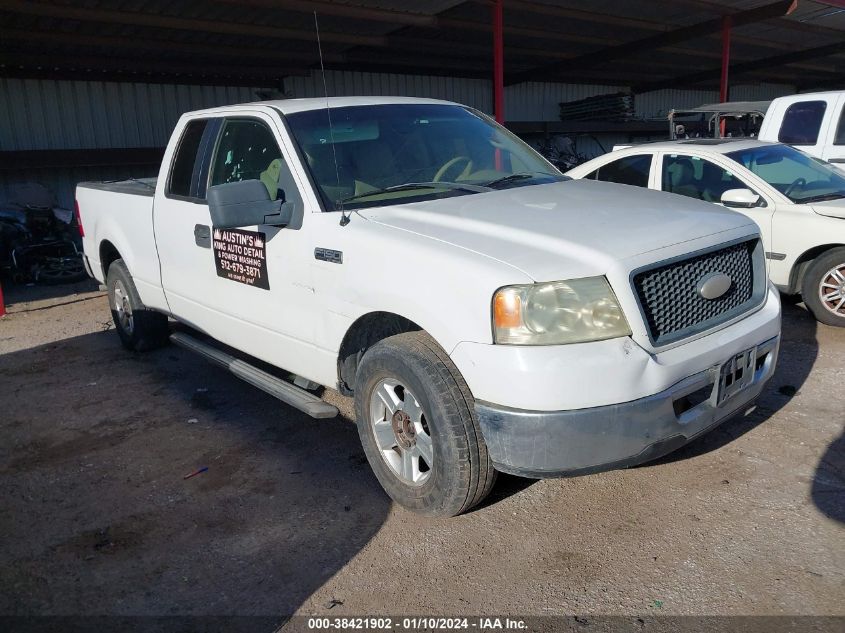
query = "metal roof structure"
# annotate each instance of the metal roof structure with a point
(648, 45)
(730, 107)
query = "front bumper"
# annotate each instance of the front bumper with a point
(558, 443)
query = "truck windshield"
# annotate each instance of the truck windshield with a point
(798, 176)
(388, 154)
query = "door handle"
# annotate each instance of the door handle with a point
(202, 235)
(836, 160)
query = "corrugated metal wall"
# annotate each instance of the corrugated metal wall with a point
(658, 103)
(535, 101)
(41, 114)
(44, 114)
(472, 92)
(532, 101)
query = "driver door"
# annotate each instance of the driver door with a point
(270, 313)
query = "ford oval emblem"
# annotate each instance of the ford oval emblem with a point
(713, 285)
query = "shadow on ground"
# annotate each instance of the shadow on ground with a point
(798, 352)
(19, 293)
(98, 518)
(828, 491)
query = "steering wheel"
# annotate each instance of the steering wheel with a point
(451, 163)
(795, 183)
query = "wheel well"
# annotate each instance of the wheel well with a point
(799, 269)
(108, 253)
(361, 336)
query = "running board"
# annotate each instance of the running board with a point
(276, 387)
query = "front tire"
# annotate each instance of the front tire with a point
(139, 328)
(823, 288)
(417, 423)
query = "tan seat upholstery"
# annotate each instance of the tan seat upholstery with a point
(270, 178)
(681, 176)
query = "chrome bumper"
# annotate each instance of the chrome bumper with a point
(560, 443)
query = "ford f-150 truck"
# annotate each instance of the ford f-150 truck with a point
(486, 313)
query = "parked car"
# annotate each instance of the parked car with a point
(798, 202)
(487, 313)
(813, 122)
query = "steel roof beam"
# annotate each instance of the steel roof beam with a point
(660, 40)
(373, 14)
(776, 61)
(158, 45)
(136, 18)
(164, 66)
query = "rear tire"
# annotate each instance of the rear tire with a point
(417, 423)
(823, 288)
(139, 328)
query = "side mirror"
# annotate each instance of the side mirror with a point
(740, 198)
(246, 203)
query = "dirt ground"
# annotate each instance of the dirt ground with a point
(97, 517)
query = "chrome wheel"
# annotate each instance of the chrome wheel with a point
(123, 308)
(401, 432)
(832, 290)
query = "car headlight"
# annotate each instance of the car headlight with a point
(557, 312)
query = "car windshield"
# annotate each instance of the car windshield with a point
(798, 176)
(388, 154)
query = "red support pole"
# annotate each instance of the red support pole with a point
(726, 62)
(2, 304)
(498, 62)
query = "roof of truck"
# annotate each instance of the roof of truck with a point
(290, 106)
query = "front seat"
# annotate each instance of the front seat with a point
(713, 184)
(329, 170)
(375, 165)
(681, 178)
(270, 178)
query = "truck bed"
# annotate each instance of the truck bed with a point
(132, 186)
(118, 216)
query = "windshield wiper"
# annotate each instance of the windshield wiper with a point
(822, 197)
(519, 176)
(409, 186)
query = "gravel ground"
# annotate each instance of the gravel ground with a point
(98, 518)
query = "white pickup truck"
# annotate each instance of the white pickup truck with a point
(487, 313)
(814, 122)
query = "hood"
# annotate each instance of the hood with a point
(577, 227)
(830, 208)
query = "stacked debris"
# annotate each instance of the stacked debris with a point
(618, 107)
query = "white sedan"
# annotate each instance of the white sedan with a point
(798, 202)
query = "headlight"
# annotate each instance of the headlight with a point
(558, 312)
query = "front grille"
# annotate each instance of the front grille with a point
(672, 305)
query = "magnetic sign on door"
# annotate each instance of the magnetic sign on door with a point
(241, 256)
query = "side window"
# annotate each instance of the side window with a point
(629, 170)
(247, 150)
(697, 178)
(802, 122)
(839, 139)
(182, 169)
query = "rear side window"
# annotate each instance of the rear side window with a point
(629, 170)
(802, 122)
(182, 170)
(840, 129)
